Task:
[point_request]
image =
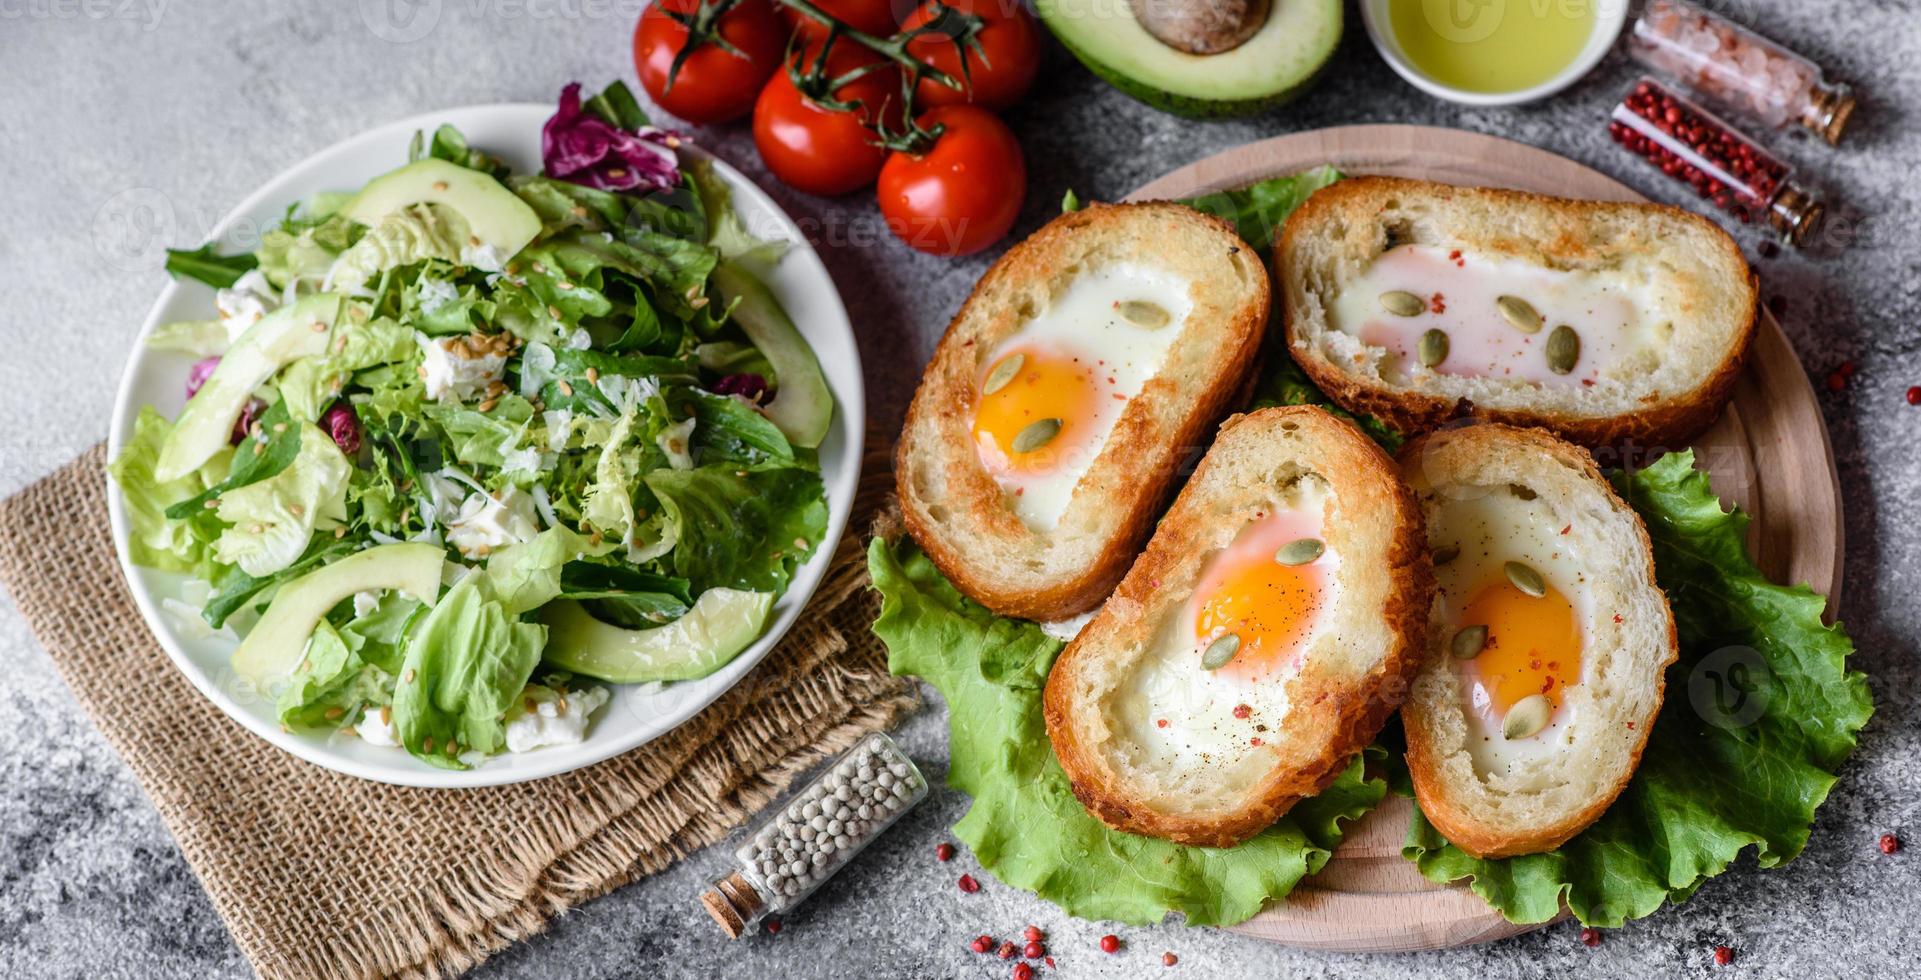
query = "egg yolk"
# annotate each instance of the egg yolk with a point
(1533, 647)
(1270, 606)
(1048, 385)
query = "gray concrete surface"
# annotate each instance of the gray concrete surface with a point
(199, 102)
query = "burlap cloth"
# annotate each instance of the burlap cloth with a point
(323, 875)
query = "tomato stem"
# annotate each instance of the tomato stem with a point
(961, 28)
(703, 27)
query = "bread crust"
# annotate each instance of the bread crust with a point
(1331, 715)
(952, 505)
(1457, 819)
(1666, 421)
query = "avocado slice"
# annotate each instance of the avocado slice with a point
(494, 214)
(722, 624)
(1270, 66)
(278, 339)
(275, 644)
(802, 407)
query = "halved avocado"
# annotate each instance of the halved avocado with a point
(280, 338)
(493, 213)
(802, 408)
(1273, 65)
(276, 643)
(722, 623)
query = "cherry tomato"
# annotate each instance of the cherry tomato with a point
(874, 17)
(1010, 42)
(825, 151)
(713, 85)
(963, 193)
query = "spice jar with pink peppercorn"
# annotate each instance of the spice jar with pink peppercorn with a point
(1736, 67)
(1723, 166)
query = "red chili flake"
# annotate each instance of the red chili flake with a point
(1890, 843)
(1565, 530)
(1590, 938)
(1723, 955)
(1033, 951)
(1006, 951)
(1049, 961)
(1033, 934)
(1455, 257)
(1169, 959)
(1256, 742)
(1242, 711)
(1438, 303)
(1914, 395)
(943, 851)
(1160, 723)
(1837, 381)
(773, 927)
(1110, 944)
(1630, 726)
(969, 885)
(1617, 617)
(1023, 972)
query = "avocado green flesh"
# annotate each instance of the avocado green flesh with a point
(1273, 66)
(280, 338)
(722, 623)
(492, 212)
(275, 644)
(802, 407)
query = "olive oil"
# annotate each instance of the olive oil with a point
(1492, 46)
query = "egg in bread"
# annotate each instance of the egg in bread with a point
(1416, 302)
(1068, 394)
(1258, 643)
(1548, 643)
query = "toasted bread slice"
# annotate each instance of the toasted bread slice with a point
(1161, 736)
(1496, 775)
(1658, 306)
(1044, 534)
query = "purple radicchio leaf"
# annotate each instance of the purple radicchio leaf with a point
(583, 148)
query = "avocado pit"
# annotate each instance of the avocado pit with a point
(1200, 27)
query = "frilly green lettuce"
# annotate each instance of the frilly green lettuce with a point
(155, 540)
(274, 518)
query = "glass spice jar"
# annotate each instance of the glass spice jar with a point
(1694, 147)
(1736, 67)
(815, 834)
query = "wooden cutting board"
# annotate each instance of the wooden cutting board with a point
(1768, 453)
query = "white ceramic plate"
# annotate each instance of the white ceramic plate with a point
(632, 718)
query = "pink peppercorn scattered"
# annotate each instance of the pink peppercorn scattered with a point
(1890, 843)
(1006, 951)
(969, 885)
(943, 851)
(981, 944)
(1914, 395)
(1723, 955)
(1033, 934)
(1110, 944)
(1033, 951)
(1590, 938)
(773, 927)
(1169, 959)
(1023, 972)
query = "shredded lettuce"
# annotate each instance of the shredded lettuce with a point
(1761, 711)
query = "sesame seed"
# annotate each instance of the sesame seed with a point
(334, 713)
(513, 268)
(296, 510)
(527, 705)
(212, 503)
(673, 142)
(421, 370)
(697, 302)
(427, 745)
(564, 284)
(800, 544)
(553, 311)
(565, 388)
(473, 240)
(319, 327)
(560, 706)
(386, 714)
(580, 210)
(488, 405)
(593, 376)
(257, 447)
(341, 531)
(258, 529)
(408, 677)
(440, 185)
(280, 426)
(254, 429)
(741, 473)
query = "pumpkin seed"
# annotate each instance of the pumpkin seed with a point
(1526, 579)
(1003, 373)
(1145, 313)
(1300, 551)
(1446, 553)
(1527, 717)
(1220, 651)
(1433, 348)
(1563, 349)
(1036, 435)
(1520, 314)
(1468, 643)
(1400, 302)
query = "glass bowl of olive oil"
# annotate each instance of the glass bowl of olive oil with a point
(1493, 52)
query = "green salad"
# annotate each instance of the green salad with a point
(1709, 784)
(462, 441)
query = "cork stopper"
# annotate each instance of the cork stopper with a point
(1794, 215)
(1831, 109)
(733, 903)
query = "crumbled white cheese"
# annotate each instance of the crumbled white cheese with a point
(436, 293)
(374, 730)
(1065, 630)
(559, 423)
(676, 441)
(243, 304)
(487, 522)
(452, 377)
(580, 339)
(516, 458)
(548, 724)
(365, 603)
(483, 256)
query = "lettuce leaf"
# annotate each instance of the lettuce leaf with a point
(273, 519)
(1760, 712)
(740, 529)
(1025, 825)
(310, 384)
(1257, 210)
(467, 661)
(208, 266)
(154, 540)
(331, 685)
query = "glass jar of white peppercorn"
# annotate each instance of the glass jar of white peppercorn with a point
(815, 833)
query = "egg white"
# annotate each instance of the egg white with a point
(1082, 317)
(1492, 526)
